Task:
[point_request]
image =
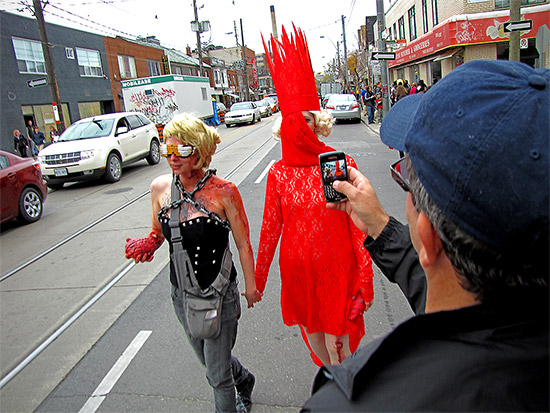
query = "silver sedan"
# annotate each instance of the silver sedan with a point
(344, 107)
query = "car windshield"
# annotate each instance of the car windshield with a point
(97, 128)
(241, 106)
(263, 103)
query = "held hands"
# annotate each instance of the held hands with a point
(143, 249)
(362, 204)
(252, 297)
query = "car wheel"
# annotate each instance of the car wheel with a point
(55, 186)
(30, 206)
(227, 125)
(260, 118)
(154, 153)
(113, 169)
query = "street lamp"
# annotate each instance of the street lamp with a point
(337, 47)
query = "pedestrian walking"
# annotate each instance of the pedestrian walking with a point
(21, 144)
(326, 277)
(38, 138)
(195, 211)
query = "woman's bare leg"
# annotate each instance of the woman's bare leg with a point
(337, 348)
(318, 345)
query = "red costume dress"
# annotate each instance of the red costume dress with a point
(323, 262)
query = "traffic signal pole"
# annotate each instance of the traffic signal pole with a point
(382, 48)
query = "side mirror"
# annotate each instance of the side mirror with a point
(121, 129)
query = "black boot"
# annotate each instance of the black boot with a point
(244, 390)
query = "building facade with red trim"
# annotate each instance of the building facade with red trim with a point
(442, 34)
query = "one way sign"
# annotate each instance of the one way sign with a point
(383, 56)
(37, 82)
(516, 26)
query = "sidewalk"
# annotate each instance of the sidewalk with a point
(375, 127)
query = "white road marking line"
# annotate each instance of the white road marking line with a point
(108, 382)
(264, 173)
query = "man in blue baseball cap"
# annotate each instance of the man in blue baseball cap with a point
(474, 259)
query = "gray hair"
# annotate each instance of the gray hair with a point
(481, 269)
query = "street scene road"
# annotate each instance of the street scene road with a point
(84, 329)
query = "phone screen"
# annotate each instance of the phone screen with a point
(333, 167)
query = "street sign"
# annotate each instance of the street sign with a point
(523, 43)
(517, 26)
(37, 82)
(543, 39)
(383, 55)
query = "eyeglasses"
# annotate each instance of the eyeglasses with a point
(181, 151)
(400, 175)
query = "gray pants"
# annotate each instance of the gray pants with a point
(223, 371)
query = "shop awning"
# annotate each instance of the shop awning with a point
(233, 96)
(447, 54)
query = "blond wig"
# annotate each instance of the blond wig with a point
(323, 124)
(190, 130)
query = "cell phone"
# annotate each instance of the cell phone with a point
(333, 168)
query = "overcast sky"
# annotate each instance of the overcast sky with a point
(169, 20)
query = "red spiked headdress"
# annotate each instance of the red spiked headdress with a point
(294, 82)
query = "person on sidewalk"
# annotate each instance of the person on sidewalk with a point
(370, 99)
(198, 210)
(473, 262)
(326, 274)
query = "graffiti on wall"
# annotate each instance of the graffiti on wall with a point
(158, 105)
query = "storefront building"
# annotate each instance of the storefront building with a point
(470, 30)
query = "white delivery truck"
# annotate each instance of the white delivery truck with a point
(161, 97)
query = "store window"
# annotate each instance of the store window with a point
(425, 25)
(412, 23)
(154, 68)
(505, 4)
(30, 58)
(435, 13)
(401, 23)
(395, 31)
(89, 62)
(127, 67)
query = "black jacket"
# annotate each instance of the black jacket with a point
(479, 358)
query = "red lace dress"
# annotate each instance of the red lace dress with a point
(323, 262)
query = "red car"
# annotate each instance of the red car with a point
(22, 187)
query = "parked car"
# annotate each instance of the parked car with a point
(98, 147)
(344, 107)
(265, 108)
(22, 187)
(275, 100)
(273, 104)
(222, 110)
(325, 100)
(243, 112)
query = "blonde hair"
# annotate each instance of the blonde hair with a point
(323, 123)
(190, 130)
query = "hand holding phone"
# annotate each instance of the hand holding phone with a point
(333, 168)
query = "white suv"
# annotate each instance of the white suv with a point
(98, 147)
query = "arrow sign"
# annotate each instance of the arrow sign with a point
(37, 82)
(383, 55)
(516, 26)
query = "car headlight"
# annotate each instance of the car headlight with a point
(87, 154)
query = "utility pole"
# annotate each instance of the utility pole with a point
(198, 32)
(247, 91)
(382, 48)
(52, 80)
(345, 53)
(513, 53)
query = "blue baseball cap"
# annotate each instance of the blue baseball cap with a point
(478, 141)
